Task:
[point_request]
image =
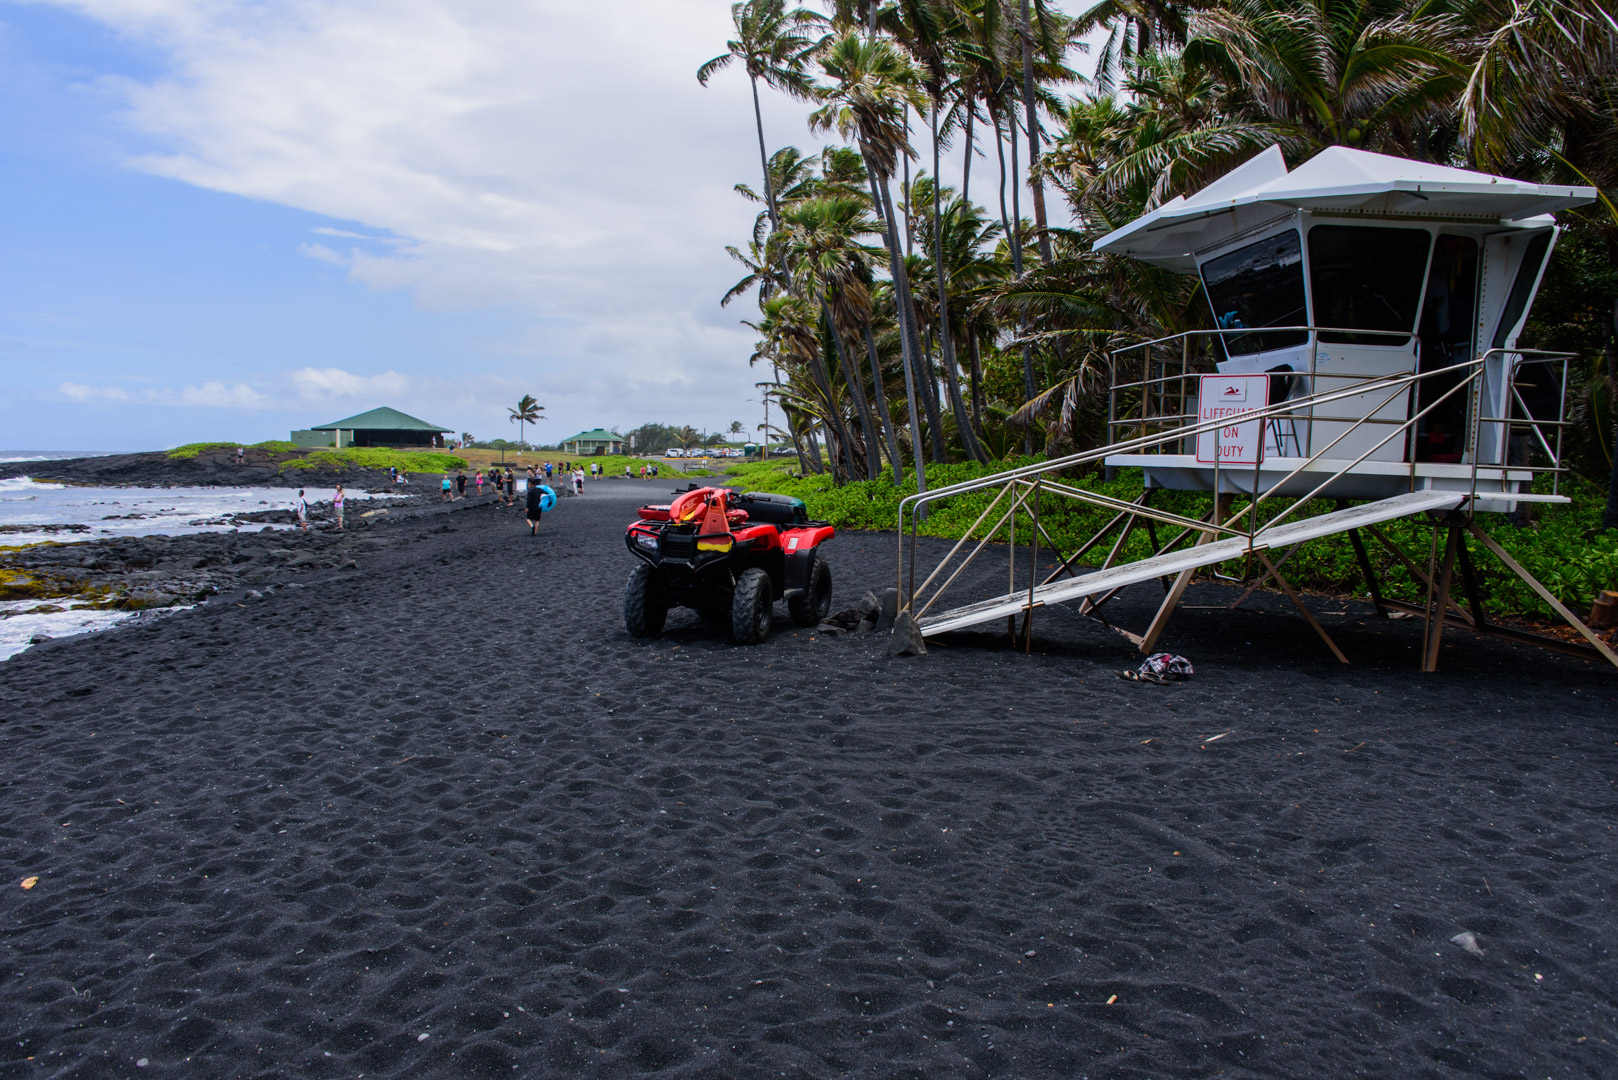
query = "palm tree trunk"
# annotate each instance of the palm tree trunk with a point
(929, 385)
(977, 390)
(1029, 386)
(966, 170)
(952, 380)
(837, 440)
(856, 387)
(814, 449)
(764, 158)
(795, 433)
(1031, 108)
(1609, 518)
(908, 346)
(882, 407)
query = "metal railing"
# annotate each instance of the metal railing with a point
(1034, 480)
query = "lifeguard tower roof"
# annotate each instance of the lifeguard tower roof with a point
(1338, 181)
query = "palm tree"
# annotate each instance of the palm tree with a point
(820, 241)
(872, 86)
(527, 412)
(772, 46)
(1341, 74)
(789, 337)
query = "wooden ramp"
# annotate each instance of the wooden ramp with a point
(1191, 558)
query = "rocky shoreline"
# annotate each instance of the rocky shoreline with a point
(214, 467)
(147, 572)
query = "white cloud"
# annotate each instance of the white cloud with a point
(80, 392)
(209, 395)
(329, 384)
(560, 157)
(323, 253)
(549, 157)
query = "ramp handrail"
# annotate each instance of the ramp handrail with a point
(1033, 476)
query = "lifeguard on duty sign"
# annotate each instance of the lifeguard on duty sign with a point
(1227, 398)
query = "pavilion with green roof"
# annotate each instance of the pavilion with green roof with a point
(592, 443)
(379, 427)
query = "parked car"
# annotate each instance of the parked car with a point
(674, 451)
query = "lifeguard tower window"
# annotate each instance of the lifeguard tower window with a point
(1256, 286)
(1367, 278)
(1522, 287)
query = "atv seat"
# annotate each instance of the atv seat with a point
(766, 509)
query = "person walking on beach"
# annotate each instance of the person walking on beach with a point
(239, 453)
(511, 487)
(337, 505)
(446, 486)
(303, 512)
(536, 495)
(460, 483)
(578, 481)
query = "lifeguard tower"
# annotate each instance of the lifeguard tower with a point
(1366, 310)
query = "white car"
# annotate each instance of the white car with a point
(674, 451)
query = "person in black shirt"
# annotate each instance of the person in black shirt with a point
(535, 495)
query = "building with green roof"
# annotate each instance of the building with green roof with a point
(379, 427)
(593, 443)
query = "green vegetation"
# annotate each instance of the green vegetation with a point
(368, 457)
(1566, 552)
(191, 450)
(353, 457)
(903, 325)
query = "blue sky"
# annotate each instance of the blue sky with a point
(222, 219)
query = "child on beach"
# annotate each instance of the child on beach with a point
(337, 505)
(303, 512)
(478, 479)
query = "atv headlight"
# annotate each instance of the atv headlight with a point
(646, 540)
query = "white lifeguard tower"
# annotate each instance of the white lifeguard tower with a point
(1366, 310)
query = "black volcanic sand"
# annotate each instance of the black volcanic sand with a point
(440, 817)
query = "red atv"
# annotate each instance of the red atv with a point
(728, 556)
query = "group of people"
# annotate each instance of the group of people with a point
(647, 472)
(301, 507)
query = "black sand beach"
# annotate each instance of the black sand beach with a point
(436, 815)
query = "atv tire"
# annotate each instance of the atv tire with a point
(752, 608)
(645, 607)
(810, 607)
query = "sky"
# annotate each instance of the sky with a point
(225, 219)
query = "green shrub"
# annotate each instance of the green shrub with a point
(376, 457)
(191, 450)
(1566, 552)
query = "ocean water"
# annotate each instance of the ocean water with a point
(26, 508)
(51, 455)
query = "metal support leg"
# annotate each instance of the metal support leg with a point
(1365, 568)
(1438, 604)
(1297, 602)
(1544, 594)
(1262, 578)
(1160, 621)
